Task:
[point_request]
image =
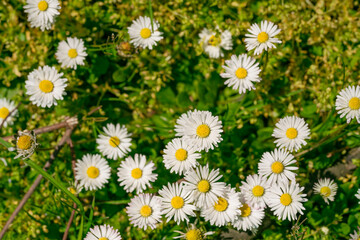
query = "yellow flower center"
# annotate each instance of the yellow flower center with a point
(136, 173)
(46, 86)
(325, 191)
(263, 37)
(221, 205)
(258, 191)
(241, 73)
(114, 141)
(291, 133)
(277, 167)
(245, 210)
(103, 238)
(73, 190)
(203, 131)
(354, 103)
(24, 142)
(93, 172)
(4, 112)
(214, 41)
(285, 199)
(145, 33)
(193, 234)
(43, 5)
(204, 186)
(177, 202)
(181, 154)
(72, 53)
(145, 211)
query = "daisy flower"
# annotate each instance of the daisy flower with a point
(71, 53)
(277, 166)
(116, 141)
(251, 216)
(6, 106)
(224, 210)
(200, 128)
(176, 203)
(241, 72)
(193, 233)
(103, 232)
(256, 190)
(262, 37)
(203, 186)
(358, 195)
(286, 199)
(144, 211)
(291, 133)
(213, 42)
(326, 188)
(356, 235)
(136, 174)
(75, 188)
(142, 34)
(348, 103)
(180, 156)
(25, 144)
(42, 13)
(92, 171)
(45, 86)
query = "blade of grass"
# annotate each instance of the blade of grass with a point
(151, 16)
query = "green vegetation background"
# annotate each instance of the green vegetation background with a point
(148, 91)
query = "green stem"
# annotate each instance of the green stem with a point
(91, 214)
(151, 16)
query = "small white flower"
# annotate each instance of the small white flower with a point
(75, 188)
(45, 86)
(176, 203)
(256, 190)
(262, 37)
(348, 103)
(241, 72)
(277, 166)
(25, 144)
(180, 156)
(203, 186)
(71, 53)
(200, 128)
(6, 107)
(42, 13)
(92, 171)
(136, 174)
(193, 233)
(144, 211)
(116, 141)
(358, 195)
(103, 232)
(326, 188)
(291, 132)
(213, 42)
(356, 235)
(286, 200)
(142, 34)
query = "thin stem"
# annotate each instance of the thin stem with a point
(151, 16)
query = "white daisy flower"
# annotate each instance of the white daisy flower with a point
(291, 133)
(75, 188)
(176, 203)
(180, 156)
(116, 141)
(256, 190)
(355, 235)
(241, 72)
(213, 42)
(326, 188)
(45, 86)
(25, 144)
(251, 216)
(71, 53)
(142, 34)
(286, 200)
(144, 211)
(92, 171)
(193, 233)
(103, 232)
(200, 128)
(358, 195)
(136, 174)
(203, 186)
(224, 210)
(6, 107)
(262, 37)
(42, 13)
(277, 166)
(348, 103)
